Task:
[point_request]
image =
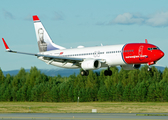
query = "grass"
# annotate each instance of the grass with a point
(84, 107)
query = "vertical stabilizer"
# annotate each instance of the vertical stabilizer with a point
(44, 41)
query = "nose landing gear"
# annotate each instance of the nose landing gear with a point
(150, 63)
(149, 68)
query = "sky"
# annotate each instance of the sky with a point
(71, 23)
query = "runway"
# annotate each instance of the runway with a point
(77, 116)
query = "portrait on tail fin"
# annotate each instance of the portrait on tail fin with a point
(41, 43)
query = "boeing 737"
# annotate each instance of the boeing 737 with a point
(129, 56)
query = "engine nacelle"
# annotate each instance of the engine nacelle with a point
(131, 67)
(90, 64)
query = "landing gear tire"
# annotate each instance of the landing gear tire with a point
(149, 69)
(84, 73)
(107, 72)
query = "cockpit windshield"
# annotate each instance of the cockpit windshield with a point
(154, 48)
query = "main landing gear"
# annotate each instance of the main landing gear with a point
(84, 73)
(108, 72)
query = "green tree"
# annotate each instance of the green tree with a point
(7, 94)
(151, 93)
(76, 93)
(103, 94)
(63, 94)
(29, 94)
(156, 75)
(33, 76)
(54, 93)
(82, 95)
(141, 91)
(13, 93)
(144, 74)
(119, 92)
(123, 77)
(112, 93)
(127, 93)
(166, 93)
(133, 77)
(70, 94)
(1, 77)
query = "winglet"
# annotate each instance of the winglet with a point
(35, 18)
(146, 41)
(6, 46)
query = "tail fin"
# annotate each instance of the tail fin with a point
(44, 41)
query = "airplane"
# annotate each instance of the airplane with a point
(129, 56)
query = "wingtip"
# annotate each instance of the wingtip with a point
(6, 46)
(35, 18)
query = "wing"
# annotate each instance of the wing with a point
(45, 56)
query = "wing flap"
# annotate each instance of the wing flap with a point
(60, 58)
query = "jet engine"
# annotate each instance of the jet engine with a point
(90, 64)
(131, 67)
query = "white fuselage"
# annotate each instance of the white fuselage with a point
(111, 55)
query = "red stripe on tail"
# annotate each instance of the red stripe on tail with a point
(35, 18)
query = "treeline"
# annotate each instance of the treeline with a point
(134, 85)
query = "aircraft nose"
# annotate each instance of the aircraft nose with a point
(161, 54)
